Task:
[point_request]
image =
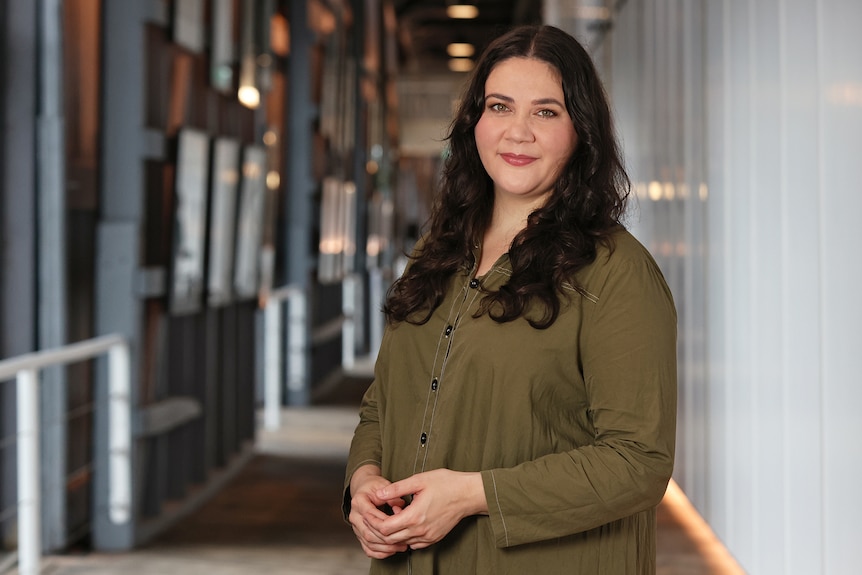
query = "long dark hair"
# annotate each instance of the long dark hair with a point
(561, 237)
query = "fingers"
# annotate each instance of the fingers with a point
(400, 489)
(390, 525)
(435, 509)
(365, 511)
(373, 543)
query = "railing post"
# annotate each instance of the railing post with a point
(120, 434)
(29, 475)
(297, 343)
(375, 296)
(272, 364)
(348, 328)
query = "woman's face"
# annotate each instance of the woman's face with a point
(525, 135)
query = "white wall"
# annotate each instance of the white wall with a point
(742, 123)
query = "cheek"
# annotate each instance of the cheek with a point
(484, 139)
(481, 129)
(567, 150)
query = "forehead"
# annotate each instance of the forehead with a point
(523, 74)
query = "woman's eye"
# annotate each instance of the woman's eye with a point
(547, 113)
(498, 107)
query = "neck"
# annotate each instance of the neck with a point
(510, 215)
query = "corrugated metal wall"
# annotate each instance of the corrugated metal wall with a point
(742, 121)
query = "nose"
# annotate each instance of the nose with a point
(519, 129)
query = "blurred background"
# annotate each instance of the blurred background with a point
(203, 202)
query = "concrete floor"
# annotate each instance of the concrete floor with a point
(281, 515)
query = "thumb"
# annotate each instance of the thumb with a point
(398, 489)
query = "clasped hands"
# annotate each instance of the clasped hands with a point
(440, 499)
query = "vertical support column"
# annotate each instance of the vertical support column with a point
(363, 11)
(52, 278)
(118, 308)
(367, 20)
(301, 188)
(18, 97)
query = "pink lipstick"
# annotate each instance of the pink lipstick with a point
(518, 159)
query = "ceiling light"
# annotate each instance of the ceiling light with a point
(460, 50)
(460, 64)
(248, 93)
(462, 11)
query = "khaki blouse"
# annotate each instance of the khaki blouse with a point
(572, 427)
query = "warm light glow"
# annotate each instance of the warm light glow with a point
(371, 167)
(229, 176)
(249, 96)
(279, 32)
(251, 170)
(270, 138)
(330, 246)
(703, 192)
(698, 531)
(273, 180)
(460, 64)
(320, 18)
(460, 50)
(464, 11)
(654, 191)
(847, 94)
(372, 247)
(592, 13)
(669, 191)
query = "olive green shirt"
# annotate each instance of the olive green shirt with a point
(572, 427)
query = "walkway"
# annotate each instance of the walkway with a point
(281, 516)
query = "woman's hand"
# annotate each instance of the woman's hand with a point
(441, 498)
(365, 484)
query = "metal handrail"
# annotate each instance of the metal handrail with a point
(25, 369)
(297, 341)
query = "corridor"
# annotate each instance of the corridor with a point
(281, 514)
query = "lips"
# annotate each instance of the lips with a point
(517, 159)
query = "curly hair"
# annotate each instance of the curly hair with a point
(562, 236)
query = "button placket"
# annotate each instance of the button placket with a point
(443, 349)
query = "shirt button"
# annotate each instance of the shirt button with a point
(474, 283)
(434, 384)
(448, 330)
(423, 439)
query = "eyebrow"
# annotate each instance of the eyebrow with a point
(540, 101)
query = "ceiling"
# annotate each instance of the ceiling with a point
(425, 30)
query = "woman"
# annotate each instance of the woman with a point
(522, 416)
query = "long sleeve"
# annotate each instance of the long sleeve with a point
(627, 352)
(366, 446)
